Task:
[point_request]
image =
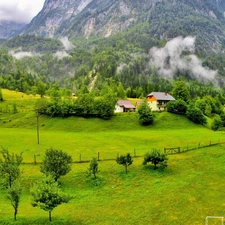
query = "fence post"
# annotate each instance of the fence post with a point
(179, 149)
(164, 150)
(35, 162)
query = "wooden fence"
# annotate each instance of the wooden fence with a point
(167, 150)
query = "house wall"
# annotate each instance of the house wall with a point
(152, 102)
(153, 106)
(118, 109)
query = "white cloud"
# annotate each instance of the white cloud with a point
(61, 54)
(66, 43)
(20, 54)
(20, 10)
(173, 58)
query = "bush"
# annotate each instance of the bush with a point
(177, 106)
(155, 157)
(217, 123)
(195, 115)
(145, 114)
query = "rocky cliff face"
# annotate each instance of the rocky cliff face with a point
(165, 19)
(87, 17)
(9, 29)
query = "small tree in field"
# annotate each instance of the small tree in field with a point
(93, 169)
(155, 157)
(47, 195)
(14, 194)
(56, 163)
(125, 160)
(146, 116)
(10, 166)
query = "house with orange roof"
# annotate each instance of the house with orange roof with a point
(158, 100)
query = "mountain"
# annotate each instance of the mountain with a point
(137, 44)
(9, 29)
(166, 19)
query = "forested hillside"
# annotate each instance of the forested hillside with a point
(163, 41)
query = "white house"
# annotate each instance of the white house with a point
(124, 106)
(158, 100)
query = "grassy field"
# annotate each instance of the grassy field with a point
(190, 189)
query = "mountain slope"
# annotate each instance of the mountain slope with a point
(166, 19)
(85, 17)
(9, 29)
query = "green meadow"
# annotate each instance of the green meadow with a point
(187, 191)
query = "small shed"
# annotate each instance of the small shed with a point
(124, 106)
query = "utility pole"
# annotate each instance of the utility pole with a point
(38, 137)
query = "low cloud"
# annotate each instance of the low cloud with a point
(61, 54)
(67, 44)
(20, 54)
(178, 56)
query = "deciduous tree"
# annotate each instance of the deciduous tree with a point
(56, 163)
(47, 195)
(145, 114)
(195, 115)
(14, 194)
(93, 169)
(155, 157)
(180, 91)
(41, 89)
(125, 160)
(10, 166)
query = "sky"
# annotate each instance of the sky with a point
(20, 10)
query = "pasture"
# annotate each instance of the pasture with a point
(187, 191)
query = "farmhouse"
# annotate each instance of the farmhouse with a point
(158, 100)
(124, 106)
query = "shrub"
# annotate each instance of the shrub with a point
(177, 106)
(195, 115)
(155, 157)
(217, 123)
(145, 114)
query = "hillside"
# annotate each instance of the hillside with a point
(190, 183)
(121, 133)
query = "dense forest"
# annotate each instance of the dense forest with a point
(122, 58)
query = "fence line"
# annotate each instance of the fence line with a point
(167, 150)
